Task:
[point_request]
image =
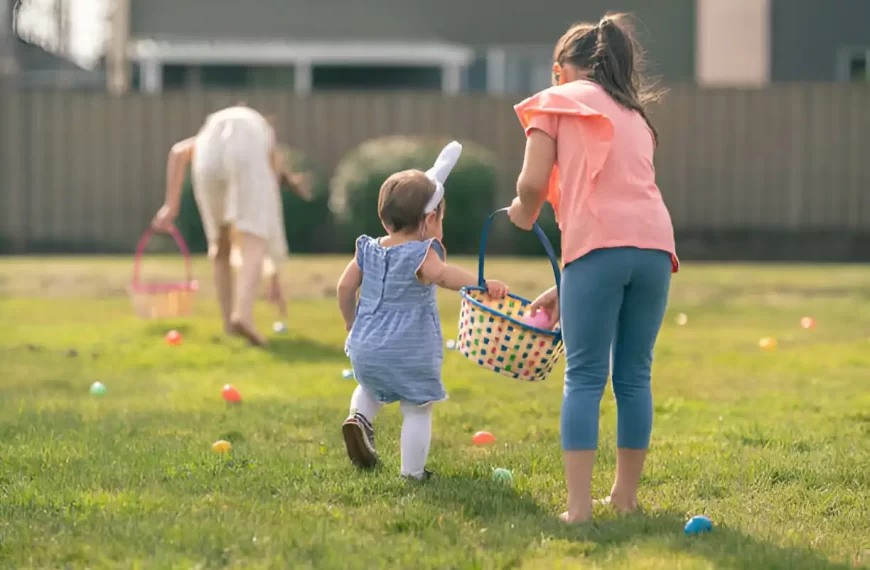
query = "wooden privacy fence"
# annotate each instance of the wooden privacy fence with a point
(85, 171)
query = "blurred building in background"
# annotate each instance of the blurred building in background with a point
(492, 46)
(761, 41)
(489, 46)
(820, 40)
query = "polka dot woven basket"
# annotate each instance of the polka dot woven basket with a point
(492, 332)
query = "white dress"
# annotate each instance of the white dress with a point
(233, 180)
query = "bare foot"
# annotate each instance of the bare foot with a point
(246, 330)
(619, 505)
(570, 518)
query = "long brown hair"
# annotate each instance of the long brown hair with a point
(614, 59)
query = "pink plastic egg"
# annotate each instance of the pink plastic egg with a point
(540, 320)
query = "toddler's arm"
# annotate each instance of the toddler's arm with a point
(435, 270)
(348, 286)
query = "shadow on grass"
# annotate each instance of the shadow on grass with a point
(496, 506)
(301, 349)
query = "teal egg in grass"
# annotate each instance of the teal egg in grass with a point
(98, 389)
(698, 524)
(502, 475)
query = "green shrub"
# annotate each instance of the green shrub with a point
(470, 190)
(307, 225)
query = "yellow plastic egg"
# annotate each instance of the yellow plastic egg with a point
(221, 446)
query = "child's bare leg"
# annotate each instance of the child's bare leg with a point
(223, 276)
(276, 296)
(253, 252)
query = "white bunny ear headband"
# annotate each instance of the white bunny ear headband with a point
(439, 173)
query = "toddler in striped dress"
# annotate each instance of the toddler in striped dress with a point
(395, 343)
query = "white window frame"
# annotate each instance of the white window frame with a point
(303, 56)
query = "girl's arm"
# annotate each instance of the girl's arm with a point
(299, 184)
(534, 178)
(435, 270)
(348, 285)
(180, 156)
(537, 166)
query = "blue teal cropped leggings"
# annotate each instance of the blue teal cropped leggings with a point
(611, 298)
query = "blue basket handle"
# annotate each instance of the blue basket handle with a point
(551, 254)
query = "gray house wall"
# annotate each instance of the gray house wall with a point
(808, 37)
(666, 26)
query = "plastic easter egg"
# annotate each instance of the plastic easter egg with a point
(279, 327)
(221, 446)
(808, 323)
(451, 344)
(98, 389)
(347, 374)
(231, 395)
(698, 524)
(483, 438)
(767, 343)
(681, 319)
(502, 475)
(540, 320)
(173, 338)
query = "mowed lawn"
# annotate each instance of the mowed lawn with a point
(773, 446)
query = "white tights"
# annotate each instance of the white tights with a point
(416, 428)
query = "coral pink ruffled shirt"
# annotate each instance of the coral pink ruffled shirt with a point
(603, 187)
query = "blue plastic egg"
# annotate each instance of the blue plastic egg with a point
(698, 524)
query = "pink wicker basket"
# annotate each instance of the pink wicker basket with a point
(162, 299)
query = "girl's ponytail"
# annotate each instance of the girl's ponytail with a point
(615, 68)
(614, 59)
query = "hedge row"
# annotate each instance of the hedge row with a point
(346, 206)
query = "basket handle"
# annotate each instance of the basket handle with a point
(548, 247)
(179, 240)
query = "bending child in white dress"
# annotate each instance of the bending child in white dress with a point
(237, 187)
(395, 343)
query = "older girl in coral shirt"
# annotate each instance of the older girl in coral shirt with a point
(589, 151)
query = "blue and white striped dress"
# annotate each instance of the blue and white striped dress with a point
(395, 345)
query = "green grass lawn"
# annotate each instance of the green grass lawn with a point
(774, 446)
